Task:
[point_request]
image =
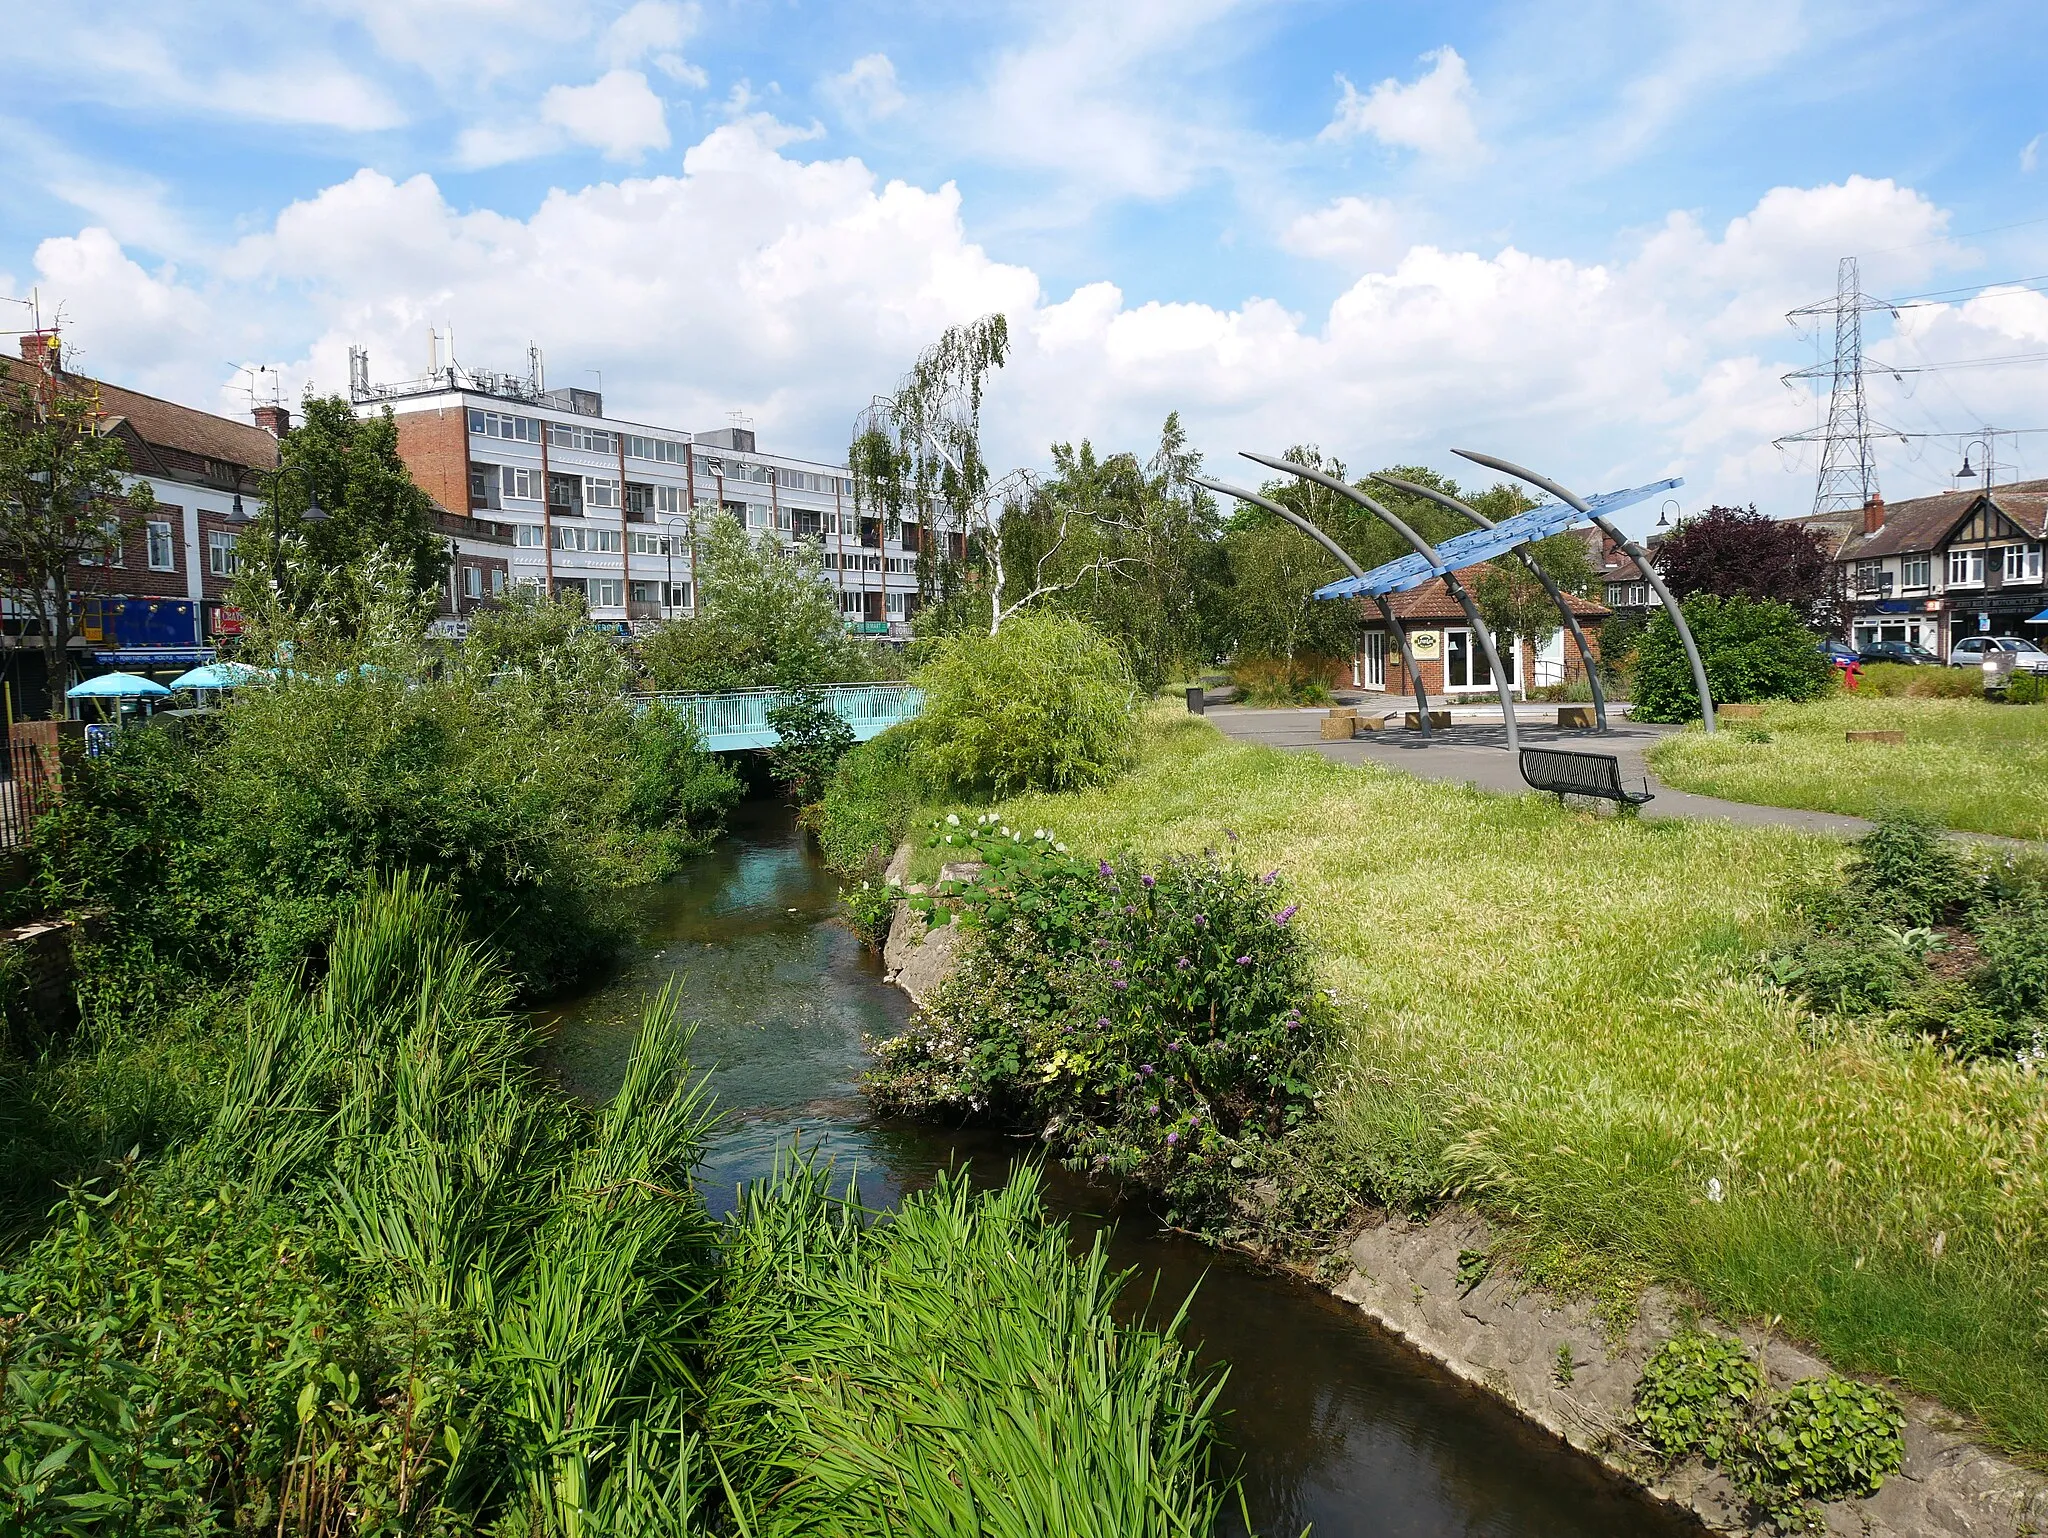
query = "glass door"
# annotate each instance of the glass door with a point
(1375, 659)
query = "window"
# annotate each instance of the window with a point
(895, 604)
(1465, 661)
(608, 540)
(599, 492)
(1966, 568)
(1917, 570)
(1867, 573)
(163, 555)
(661, 450)
(678, 595)
(669, 499)
(497, 581)
(572, 435)
(569, 537)
(497, 424)
(221, 559)
(849, 603)
(606, 593)
(472, 582)
(757, 515)
(658, 544)
(529, 536)
(515, 482)
(2023, 563)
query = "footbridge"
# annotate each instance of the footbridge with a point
(738, 719)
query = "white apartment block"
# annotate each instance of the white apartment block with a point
(602, 505)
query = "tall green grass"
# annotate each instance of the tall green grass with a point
(1970, 764)
(1558, 1016)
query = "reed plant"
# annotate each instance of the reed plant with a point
(1970, 764)
(1562, 1018)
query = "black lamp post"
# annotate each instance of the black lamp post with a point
(314, 513)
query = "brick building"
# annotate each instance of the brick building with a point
(1936, 569)
(1447, 654)
(608, 507)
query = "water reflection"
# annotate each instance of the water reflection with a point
(1337, 1426)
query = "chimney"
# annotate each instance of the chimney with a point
(273, 419)
(42, 349)
(1873, 514)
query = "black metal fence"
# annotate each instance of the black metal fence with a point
(25, 794)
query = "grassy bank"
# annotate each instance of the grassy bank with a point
(1969, 764)
(1556, 1016)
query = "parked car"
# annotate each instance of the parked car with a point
(1840, 653)
(2003, 653)
(1911, 653)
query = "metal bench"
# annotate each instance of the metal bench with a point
(1564, 773)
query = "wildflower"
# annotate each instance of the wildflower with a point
(952, 819)
(1183, 963)
(1244, 961)
(1062, 848)
(1144, 1070)
(1104, 867)
(1153, 1108)
(1201, 921)
(1103, 1021)
(1116, 963)
(1270, 877)
(1231, 834)
(1121, 986)
(1286, 913)
(1172, 1137)
(1148, 882)
(1714, 1188)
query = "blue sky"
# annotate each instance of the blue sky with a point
(1567, 232)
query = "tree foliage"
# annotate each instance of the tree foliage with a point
(1752, 649)
(763, 620)
(66, 509)
(1739, 553)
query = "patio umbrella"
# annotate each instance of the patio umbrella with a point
(116, 686)
(219, 675)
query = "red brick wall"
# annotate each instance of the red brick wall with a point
(1432, 668)
(435, 447)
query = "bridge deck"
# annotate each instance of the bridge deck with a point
(738, 720)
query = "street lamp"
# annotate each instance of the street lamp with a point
(314, 513)
(668, 549)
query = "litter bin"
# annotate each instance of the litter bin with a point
(1198, 699)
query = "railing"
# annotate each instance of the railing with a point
(25, 794)
(739, 719)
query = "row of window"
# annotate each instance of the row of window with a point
(161, 551)
(473, 581)
(667, 451)
(1964, 568)
(895, 605)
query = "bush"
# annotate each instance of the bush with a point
(869, 804)
(1696, 1395)
(1824, 1439)
(1046, 704)
(2013, 941)
(869, 907)
(1905, 870)
(1156, 1025)
(1284, 680)
(2025, 688)
(1752, 651)
(813, 739)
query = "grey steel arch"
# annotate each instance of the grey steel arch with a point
(1427, 551)
(1571, 620)
(1636, 553)
(1329, 544)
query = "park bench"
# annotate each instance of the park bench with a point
(1565, 773)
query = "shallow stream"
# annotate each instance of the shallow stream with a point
(1338, 1425)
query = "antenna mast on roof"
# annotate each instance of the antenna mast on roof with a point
(1848, 474)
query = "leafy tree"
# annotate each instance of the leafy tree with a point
(314, 572)
(1739, 553)
(1512, 601)
(65, 504)
(1752, 649)
(764, 620)
(813, 740)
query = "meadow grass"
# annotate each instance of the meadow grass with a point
(1970, 764)
(1557, 1016)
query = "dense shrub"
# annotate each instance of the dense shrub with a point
(1155, 1023)
(1752, 650)
(2025, 688)
(812, 740)
(1824, 1439)
(1046, 704)
(1695, 1396)
(869, 803)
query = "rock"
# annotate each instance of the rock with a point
(899, 865)
(962, 871)
(917, 956)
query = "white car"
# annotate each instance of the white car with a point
(1998, 653)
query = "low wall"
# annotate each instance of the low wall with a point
(35, 977)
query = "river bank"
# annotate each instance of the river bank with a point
(1337, 1425)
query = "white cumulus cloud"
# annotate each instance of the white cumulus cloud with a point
(617, 113)
(867, 90)
(1432, 114)
(1351, 230)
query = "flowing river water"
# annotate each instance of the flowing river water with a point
(1337, 1425)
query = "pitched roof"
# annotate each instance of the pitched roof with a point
(165, 424)
(1924, 522)
(1433, 601)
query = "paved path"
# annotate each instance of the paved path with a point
(1475, 753)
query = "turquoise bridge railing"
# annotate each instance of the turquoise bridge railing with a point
(739, 719)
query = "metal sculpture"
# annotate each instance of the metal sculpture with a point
(1435, 565)
(1386, 610)
(1597, 511)
(1564, 609)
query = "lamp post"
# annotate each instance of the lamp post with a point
(314, 513)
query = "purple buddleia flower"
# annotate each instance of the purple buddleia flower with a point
(1116, 963)
(1270, 877)
(1103, 1021)
(1104, 867)
(1145, 1070)
(1183, 963)
(1148, 882)
(1244, 961)
(1172, 1137)
(1201, 921)
(1286, 913)
(1120, 985)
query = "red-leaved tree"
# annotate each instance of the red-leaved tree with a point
(1737, 552)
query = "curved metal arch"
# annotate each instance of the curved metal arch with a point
(1427, 551)
(1635, 552)
(1571, 620)
(1329, 544)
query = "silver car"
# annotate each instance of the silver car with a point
(1999, 656)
